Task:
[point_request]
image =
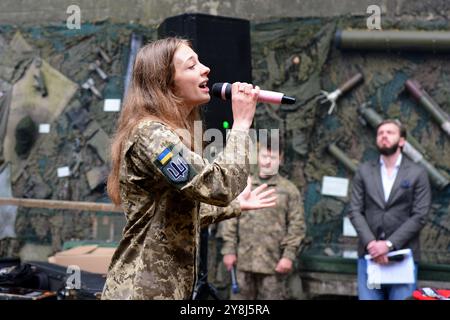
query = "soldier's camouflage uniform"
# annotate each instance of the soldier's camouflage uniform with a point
(260, 238)
(162, 184)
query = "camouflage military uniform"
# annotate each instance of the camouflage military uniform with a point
(260, 238)
(162, 184)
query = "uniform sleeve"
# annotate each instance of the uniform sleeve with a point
(159, 154)
(296, 230)
(230, 236)
(357, 208)
(210, 214)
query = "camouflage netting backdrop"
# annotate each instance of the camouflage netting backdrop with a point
(294, 56)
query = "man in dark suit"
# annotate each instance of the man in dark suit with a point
(390, 200)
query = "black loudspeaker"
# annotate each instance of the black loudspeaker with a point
(222, 44)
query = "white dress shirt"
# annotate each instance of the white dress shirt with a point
(388, 181)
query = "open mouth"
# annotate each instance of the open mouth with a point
(204, 84)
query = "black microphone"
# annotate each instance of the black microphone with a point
(223, 90)
(234, 283)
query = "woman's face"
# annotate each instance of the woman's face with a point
(191, 77)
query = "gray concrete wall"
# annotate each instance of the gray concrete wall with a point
(147, 12)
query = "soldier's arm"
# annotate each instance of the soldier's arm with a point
(159, 154)
(296, 228)
(210, 214)
(230, 236)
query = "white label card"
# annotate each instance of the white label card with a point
(63, 172)
(44, 128)
(332, 186)
(111, 105)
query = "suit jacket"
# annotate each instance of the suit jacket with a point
(401, 218)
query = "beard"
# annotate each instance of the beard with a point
(388, 151)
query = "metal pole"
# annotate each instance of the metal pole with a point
(59, 204)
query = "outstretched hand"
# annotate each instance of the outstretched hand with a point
(258, 198)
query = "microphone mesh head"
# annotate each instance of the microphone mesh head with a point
(217, 89)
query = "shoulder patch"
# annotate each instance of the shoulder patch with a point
(172, 164)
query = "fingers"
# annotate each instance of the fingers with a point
(229, 260)
(248, 188)
(235, 89)
(371, 244)
(267, 200)
(266, 205)
(266, 193)
(381, 259)
(260, 188)
(248, 89)
(244, 88)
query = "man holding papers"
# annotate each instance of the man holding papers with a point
(390, 200)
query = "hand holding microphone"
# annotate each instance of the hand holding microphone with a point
(223, 90)
(230, 260)
(243, 104)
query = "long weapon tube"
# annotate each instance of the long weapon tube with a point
(425, 41)
(429, 104)
(342, 157)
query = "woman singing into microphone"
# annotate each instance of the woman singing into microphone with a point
(161, 184)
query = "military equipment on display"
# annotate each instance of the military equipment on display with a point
(342, 157)
(90, 85)
(96, 67)
(332, 97)
(104, 55)
(438, 179)
(430, 41)
(39, 80)
(429, 104)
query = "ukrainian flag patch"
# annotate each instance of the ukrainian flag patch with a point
(174, 167)
(165, 156)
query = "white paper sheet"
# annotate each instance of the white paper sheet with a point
(63, 172)
(392, 273)
(44, 128)
(347, 228)
(333, 186)
(111, 105)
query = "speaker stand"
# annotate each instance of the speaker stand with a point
(203, 290)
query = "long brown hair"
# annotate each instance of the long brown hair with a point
(150, 95)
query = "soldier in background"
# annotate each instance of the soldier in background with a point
(264, 243)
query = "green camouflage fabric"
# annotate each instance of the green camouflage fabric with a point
(257, 286)
(267, 235)
(156, 258)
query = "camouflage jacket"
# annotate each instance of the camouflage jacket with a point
(260, 238)
(162, 184)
